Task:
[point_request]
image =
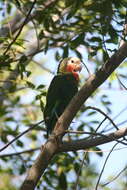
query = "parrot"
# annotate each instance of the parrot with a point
(61, 90)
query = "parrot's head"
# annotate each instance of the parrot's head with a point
(70, 65)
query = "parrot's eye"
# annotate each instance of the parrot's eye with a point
(72, 61)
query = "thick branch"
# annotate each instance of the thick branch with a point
(41, 163)
(88, 143)
(51, 147)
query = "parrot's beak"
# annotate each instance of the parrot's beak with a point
(74, 68)
(78, 67)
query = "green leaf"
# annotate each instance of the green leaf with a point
(91, 113)
(33, 136)
(78, 54)
(4, 136)
(5, 60)
(22, 65)
(28, 73)
(92, 54)
(38, 97)
(46, 46)
(42, 105)
(19, 143)
(95, 122)
(30, 85)
(95, 39)
(40, 86)
(17, 3)
(77, 41)
(105, 56)
(9, 119)
(23, 59)
(43, 93)
(65, 51)
(57, 56)
(76, 167)
(98, 151)
(22, 169)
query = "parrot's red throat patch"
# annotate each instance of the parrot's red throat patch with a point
(74, 69)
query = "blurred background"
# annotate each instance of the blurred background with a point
(34, 37)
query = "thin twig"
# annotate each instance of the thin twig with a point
(124, 33)
(85, 132)
(107, 150)
(100, 111)
(38, 148)
(21, 28)
(20, 157)
(98, 181)
(123, 110)
(18, 153)
(100, 124)
(121, 82)
(21, 134)
(123, 122)
(105, 184)
(97, 109)
(86, 68)
(103, 42)
(82, 163)
(35, 27)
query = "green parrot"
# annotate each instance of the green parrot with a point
(61, 90)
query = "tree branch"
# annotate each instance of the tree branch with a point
(20, 135)
(93, 134)
(18, 153)
(88, 143)
(106, 116)
(51, 147)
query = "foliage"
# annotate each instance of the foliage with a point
(50, 31)
(5, 182)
